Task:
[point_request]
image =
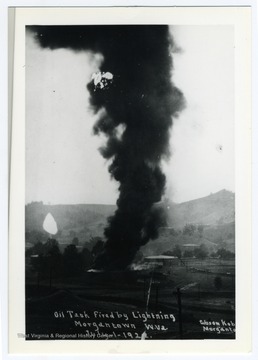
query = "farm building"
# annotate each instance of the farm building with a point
(190, 247)
(162, 262)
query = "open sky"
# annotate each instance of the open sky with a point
(63, 165)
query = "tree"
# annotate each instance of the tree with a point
(73, 261)
(200, 230)
(87, 257)
(201, 252)
(51, 248)
(97, 248)
(38, 248)
(92, 242)
(46, 259)
(177, 251)
(189, 229)
(225, 254)
(212, 254)
(173, 232)
(188, 253)
(39, 265)
(52, 258)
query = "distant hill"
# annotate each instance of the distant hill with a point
(82, 221)
(215, 212)
(217, 208)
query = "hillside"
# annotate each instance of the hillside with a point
(214, 212)
(82, 221)
(218, 208)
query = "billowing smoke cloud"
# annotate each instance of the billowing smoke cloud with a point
(136, 111)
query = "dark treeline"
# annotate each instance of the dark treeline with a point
(47, 260)
(200, 252)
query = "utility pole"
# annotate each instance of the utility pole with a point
(178, 295)
(157, 296)
(38, 277)
(50, 277)
(50, 271)
(144, 289)
(157, 300)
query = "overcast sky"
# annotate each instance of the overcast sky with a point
(63, 165)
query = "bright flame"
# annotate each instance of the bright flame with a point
(102, 79)
(49, 224)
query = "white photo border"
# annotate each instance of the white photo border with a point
(243, 182)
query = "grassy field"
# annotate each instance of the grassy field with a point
(126, 305)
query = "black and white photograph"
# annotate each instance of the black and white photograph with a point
(130, 181)
(130, 197)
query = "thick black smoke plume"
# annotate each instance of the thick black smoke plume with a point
(137, 109)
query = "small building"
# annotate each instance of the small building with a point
(190, 247)
(164, 263)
